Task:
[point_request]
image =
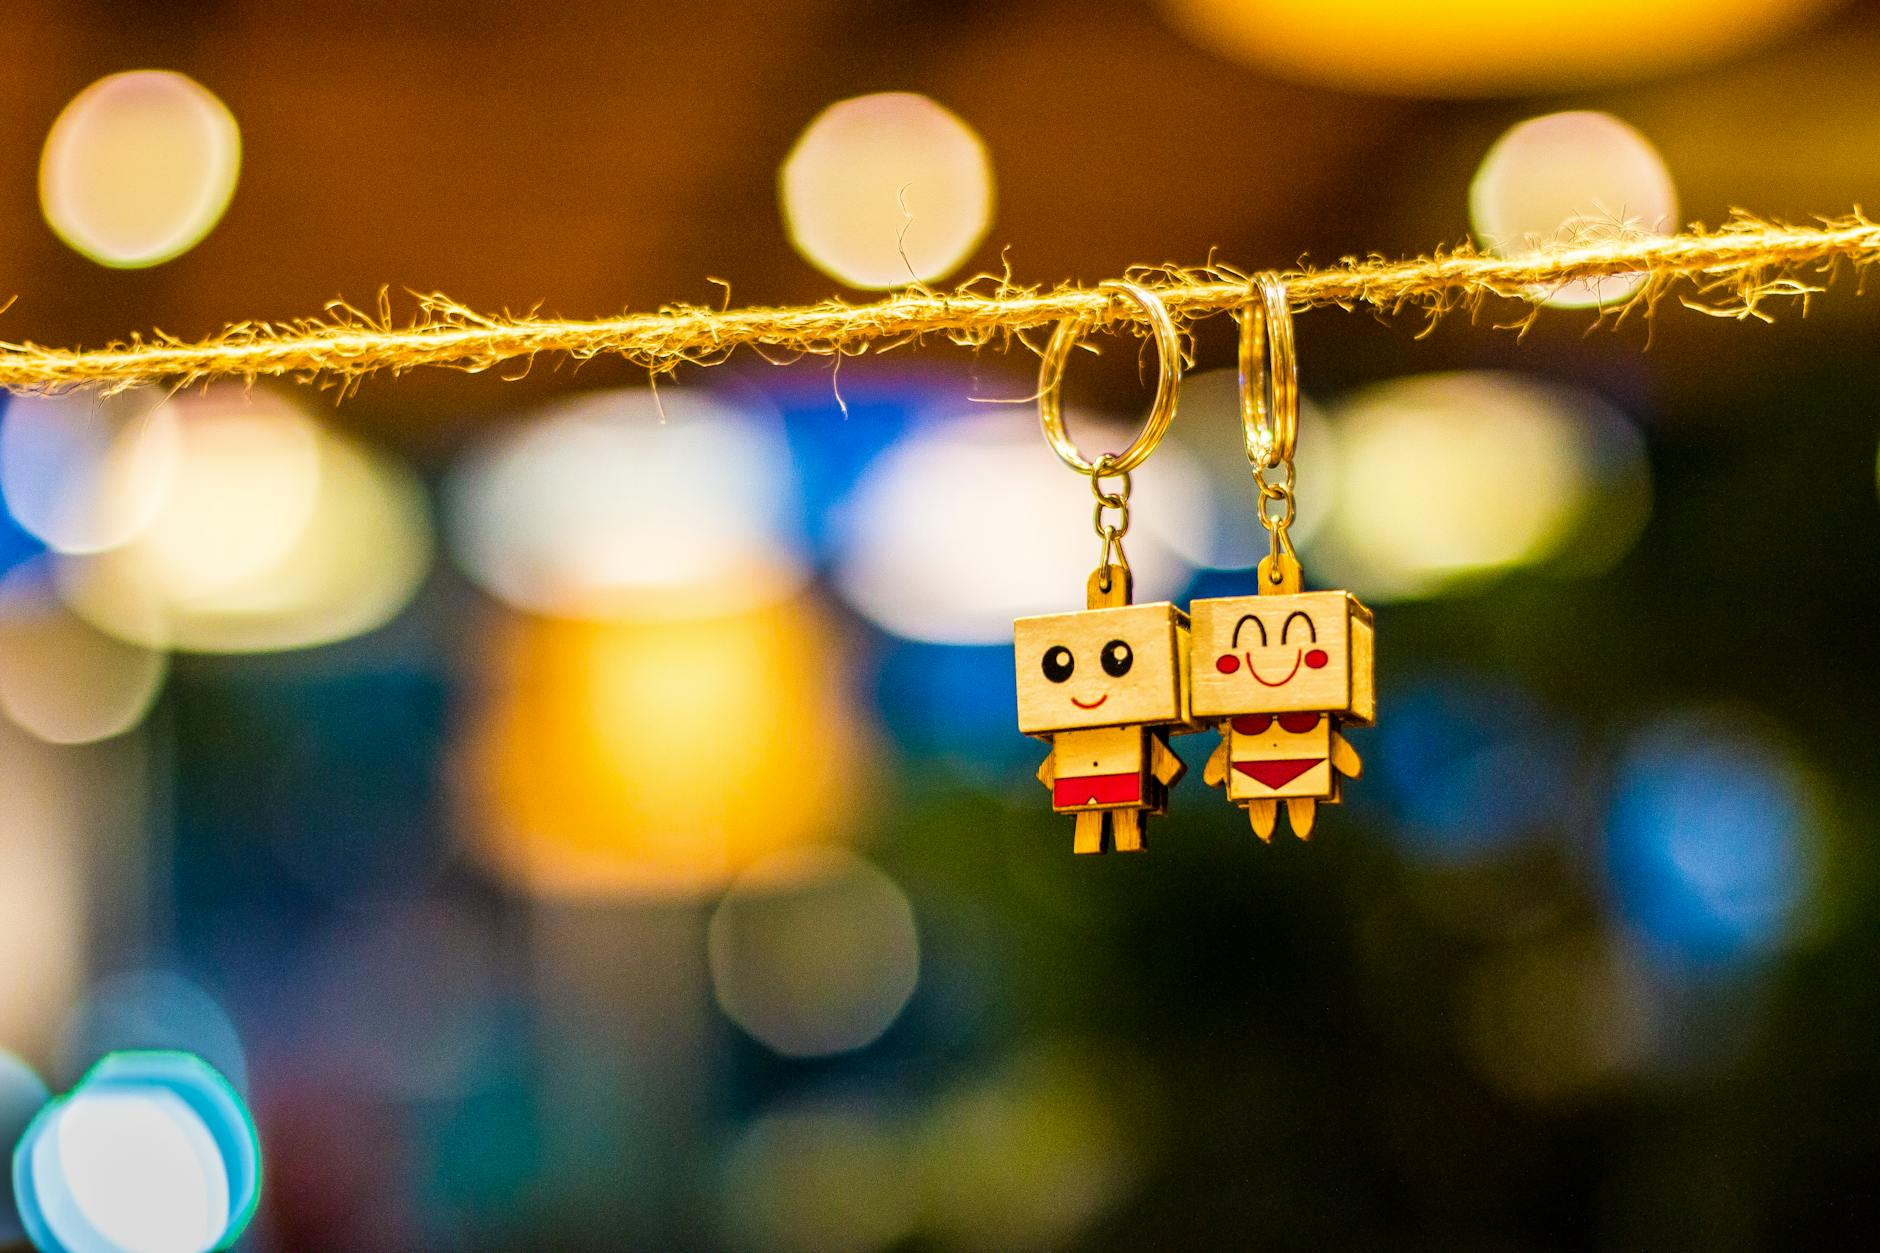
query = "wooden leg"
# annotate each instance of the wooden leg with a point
(1089, 836)
(1265, 816)
(1126, 824)
(1302, 812)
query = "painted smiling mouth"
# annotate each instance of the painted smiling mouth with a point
(1093, 704)
(1297, 655)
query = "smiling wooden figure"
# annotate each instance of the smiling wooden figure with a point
(1281, 673)
(1105, 687)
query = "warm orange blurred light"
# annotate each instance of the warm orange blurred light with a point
(886, 190)
(271, 533)
(623, 758)
(1567, 180)
(1483, 47)
(1518, 463)
(60, 677)
(139, 167)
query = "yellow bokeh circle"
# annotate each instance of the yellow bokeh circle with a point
(139, 167)
(886, 190)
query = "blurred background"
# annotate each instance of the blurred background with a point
(583, 816)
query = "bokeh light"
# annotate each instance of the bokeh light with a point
(60, 677)
(1713, 841)
(660, 757)
(272, 533)
(1033, 1154)
(22, 1094)
(1572, 179)
(150, 1153)
(17, 544)
(1452, 476)
(1481, 47)
(814, 951)
(1209, 434)
(969, 522)
(1558, 1016)
(417, 1028)
(625, 505)
(886, 190)
(242, 494)
(828, 1175)
(46, 831)
(952, 708)
(1473, 768)
(669, 873)
(1618, 472)
(151, 1010)
(139, 167)
(141, 1172)
(85, 472)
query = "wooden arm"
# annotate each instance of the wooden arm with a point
(1216, 773)
(1163, 763)
(1345, 757)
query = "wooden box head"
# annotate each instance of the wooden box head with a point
(1102, 668)
(1271, 654)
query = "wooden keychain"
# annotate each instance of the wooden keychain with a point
(1281, 671)
(1107, 686)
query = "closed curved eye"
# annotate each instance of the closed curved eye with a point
(1302, 616)
(1245, 618)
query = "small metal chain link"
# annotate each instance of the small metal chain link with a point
(1275, 504)
(1111, 553)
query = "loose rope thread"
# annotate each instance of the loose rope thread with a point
(1733, 271)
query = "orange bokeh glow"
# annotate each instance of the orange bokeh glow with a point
(1482, 47)
(650, 758)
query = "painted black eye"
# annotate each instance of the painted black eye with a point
(1058, 663)
(1117, 659)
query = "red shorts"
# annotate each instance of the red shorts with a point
(1090, 790)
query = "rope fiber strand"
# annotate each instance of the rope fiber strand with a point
(1731, 271)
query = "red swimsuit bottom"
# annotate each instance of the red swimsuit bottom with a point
(1097, 789)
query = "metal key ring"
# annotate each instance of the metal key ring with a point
(1269, 376)
(1161, 410)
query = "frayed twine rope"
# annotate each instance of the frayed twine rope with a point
(1732, 271)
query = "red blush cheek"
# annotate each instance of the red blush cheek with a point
(1227, 663)
(1316, 659)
